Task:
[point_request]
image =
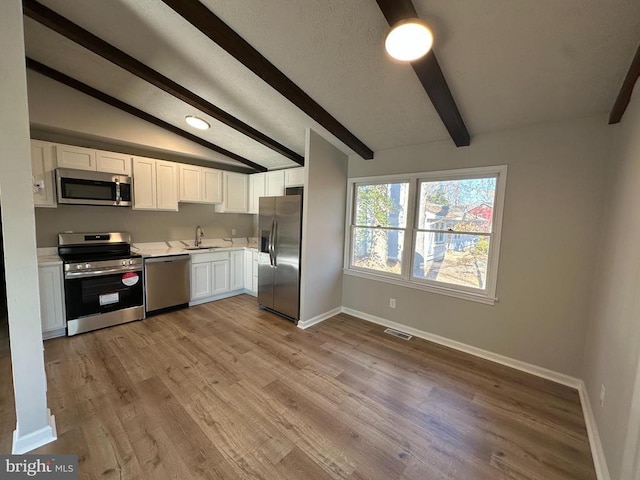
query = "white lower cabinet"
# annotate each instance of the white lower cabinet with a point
(251, 272)
(237, 271)
(52, 313)
(201, 280)
(255, 254)
(216, 275)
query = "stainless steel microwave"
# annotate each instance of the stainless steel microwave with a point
(81, 187)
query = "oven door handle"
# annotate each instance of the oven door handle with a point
(106, 271)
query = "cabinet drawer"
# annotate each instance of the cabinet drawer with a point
(209, 257)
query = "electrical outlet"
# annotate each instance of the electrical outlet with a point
(602, 392)
(392, 303)
(233, 231)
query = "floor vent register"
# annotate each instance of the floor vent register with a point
(398, 333)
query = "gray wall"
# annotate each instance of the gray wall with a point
(144, 226)
(553, 206)
(613, 347)
(323, 230)
(61, 114)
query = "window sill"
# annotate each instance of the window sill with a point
(426, 288)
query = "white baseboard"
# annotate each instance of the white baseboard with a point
(599, 460)
(478, 352)
(320, 318)
(35, 439)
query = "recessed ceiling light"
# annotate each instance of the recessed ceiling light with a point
(197, 122)
(409, 40)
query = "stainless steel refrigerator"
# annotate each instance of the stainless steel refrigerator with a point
(279, 225)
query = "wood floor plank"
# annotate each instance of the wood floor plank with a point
(226, 390)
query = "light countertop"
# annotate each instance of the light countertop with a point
(48, 256)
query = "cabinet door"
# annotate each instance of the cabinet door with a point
(275, 184)
(42, 167)
(111, 162)
(68, 156)
(144, 184)
(220, 276)
(211, 185)
(236, 194)
(237, 271)
(201, 281)
(51, 299)
(257, 189)
(167, 185)
(294, 177)
(190, 183)
(247, 269)
(255, 256)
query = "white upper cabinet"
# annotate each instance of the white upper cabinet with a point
(235, 193)
(155, 184)
(167, 185)
(190, 183)
(294, 177)
(211, 185)
(200, 184)
(80, 158)
(144, 184)
(269, 184)
(110, 162)
(257, 189)
(42, 168)
(274, 183)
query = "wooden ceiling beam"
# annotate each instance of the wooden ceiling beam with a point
(70, 30)
(624, 96)
(219, 32)
(430, 75)
(125, 107)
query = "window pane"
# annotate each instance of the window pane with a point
(459, 259)
(383, 205)
(378, 249)
(460, 205)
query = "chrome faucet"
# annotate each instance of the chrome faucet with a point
(199, 236)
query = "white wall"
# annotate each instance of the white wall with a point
(613, 346)
(323, 227)
(553, 206)
(18, 229)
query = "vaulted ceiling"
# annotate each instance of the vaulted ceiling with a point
(508, 64)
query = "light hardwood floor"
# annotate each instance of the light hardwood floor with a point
(225, 390)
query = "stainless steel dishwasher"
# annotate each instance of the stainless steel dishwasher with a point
(166, 283)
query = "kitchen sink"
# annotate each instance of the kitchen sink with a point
(199, 248)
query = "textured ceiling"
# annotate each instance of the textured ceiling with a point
(508, 63)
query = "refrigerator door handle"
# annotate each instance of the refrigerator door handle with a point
(271, 237)
(273, 245)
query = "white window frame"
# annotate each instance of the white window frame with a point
(488, 295)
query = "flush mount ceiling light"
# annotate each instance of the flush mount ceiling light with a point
(409, 40)
(197, 122)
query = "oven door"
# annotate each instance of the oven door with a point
(100, 294)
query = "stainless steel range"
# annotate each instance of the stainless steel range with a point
(103, 283)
